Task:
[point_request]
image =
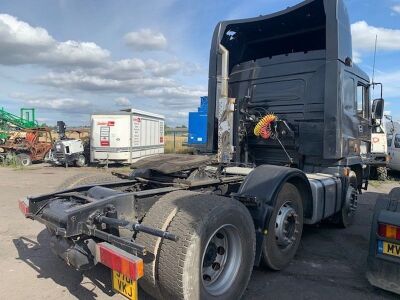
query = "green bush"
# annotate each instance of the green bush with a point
(10, 160)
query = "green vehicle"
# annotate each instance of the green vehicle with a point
(9, 121)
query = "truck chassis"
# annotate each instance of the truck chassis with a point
(136, 215)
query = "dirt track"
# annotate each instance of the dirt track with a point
(329, 265)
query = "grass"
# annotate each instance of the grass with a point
(11, 161)
(179, 147)
(375, 183)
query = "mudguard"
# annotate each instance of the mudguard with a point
(384, 271)
(262, 186)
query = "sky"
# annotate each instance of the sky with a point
(69, 58)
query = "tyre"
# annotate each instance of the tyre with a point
(378, 173)
(382, 173)
(214, 256)
(284, 229)
(24, 159)
(345, 217)
(81, 161)
(48, 156)
(86, 179)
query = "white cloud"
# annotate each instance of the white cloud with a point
(22, 43)
(66, 105)
(364, 37)
(175, 94)
(75, 66)
(396, 8)
(138, 68)
(356, 57)
(387, 112)
(122, 101)
(80, 80)
(164, 69)
(146, 40)
(391, 84)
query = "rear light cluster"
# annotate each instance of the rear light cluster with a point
(120, 261)
(23, 207)
(389, 231)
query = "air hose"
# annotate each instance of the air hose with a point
(263, 127)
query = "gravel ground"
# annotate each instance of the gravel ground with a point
(330, 263)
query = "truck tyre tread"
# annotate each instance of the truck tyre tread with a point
(274, 256)
(194, 216)
(85, 179)
(159, 216)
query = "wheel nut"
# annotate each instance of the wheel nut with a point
(206, 277)
(219, 235)
(216, 266)
(221, 250)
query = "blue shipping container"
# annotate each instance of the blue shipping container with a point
(198, 124)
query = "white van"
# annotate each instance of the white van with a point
(393, 139)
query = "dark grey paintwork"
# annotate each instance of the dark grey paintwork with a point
(293, 63)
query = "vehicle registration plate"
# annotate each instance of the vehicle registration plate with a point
(124, 285)
(388, 248)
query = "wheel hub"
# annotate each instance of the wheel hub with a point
(211, 254)
(221, 260)
(286, 225)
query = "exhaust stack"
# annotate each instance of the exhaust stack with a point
(225, 109)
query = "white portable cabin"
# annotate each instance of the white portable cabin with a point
(125, 136)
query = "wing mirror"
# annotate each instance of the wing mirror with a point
(378, 106)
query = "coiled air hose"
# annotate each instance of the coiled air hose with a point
(263, 127)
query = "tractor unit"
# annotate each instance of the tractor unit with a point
(285, 139)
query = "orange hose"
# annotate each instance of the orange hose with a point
(263, 127)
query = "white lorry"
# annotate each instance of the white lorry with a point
(125, 136)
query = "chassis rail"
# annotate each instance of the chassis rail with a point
(101, 218)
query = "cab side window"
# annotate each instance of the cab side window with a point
(362, 99)
(397, 141)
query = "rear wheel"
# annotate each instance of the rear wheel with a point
(378, 173)
(214, 255)
(48, 156)
(24, 159)
(81, 161)
(382, 173)
(285, 229)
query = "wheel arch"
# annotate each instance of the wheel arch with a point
(264, 184)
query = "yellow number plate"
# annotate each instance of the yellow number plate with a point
(389, 248)
(124, 285)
